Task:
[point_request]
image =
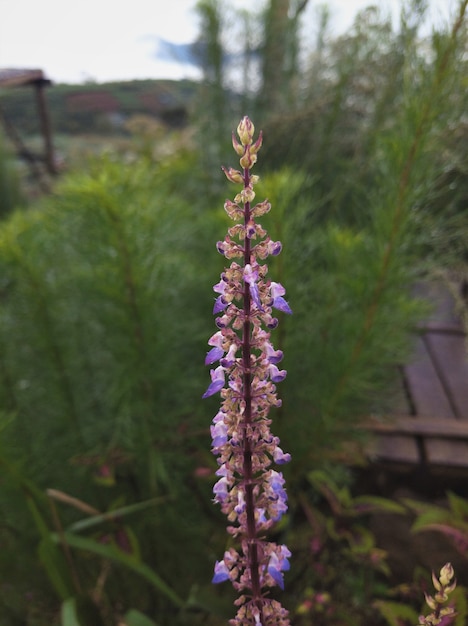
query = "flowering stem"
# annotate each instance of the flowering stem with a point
(247, 391)
(250, 493)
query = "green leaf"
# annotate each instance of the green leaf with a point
(113, 553)
(95, 520)
(459, 597)
(136, 618)
(68, 613)
(53, 560)
(458, 505)
(429, 518)
(373, 504)
(51, 555)
(80, 611)
(396, 613)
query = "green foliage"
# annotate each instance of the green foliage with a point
(135, 618)
(352, 315)
(101, 369)
(340, 569)
(451, 521)
(396, 613)
(10, 195)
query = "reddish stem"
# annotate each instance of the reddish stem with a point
(252, 555)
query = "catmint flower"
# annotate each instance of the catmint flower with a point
(249, 491)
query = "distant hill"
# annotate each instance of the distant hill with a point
(100, 108)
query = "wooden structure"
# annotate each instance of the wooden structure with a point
(429, 426)
(35, 78)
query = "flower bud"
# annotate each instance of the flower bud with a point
(245, 130)
(237, 146)
(233, 175)
(248, 160)
(446, 574)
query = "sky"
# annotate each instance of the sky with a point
(75, 41)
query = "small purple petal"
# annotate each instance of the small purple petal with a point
(274, 247)
(274, 569)
(276, 375)
(255, 295)
(213, 355)
(223, 321)
(222, 470)
(219, 434)
(261, 516)
(220, 489)
(217, 382)
(221, 247)
(277, 289)
(250, 275)
(285, 554)
(277, 292)
(276, 481)
(281, 457)
(219, 305)
(273, 356)
(281, 304)
(230, 357)
(240, 507)
(250, 230)
(270, 321)
(216, 340)
(221, 572)
(220, 287)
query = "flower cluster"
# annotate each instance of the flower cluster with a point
(442, 615)
(250, 492)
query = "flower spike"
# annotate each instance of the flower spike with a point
(249, 491)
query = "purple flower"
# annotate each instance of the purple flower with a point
(281, 457)
(273, 356)
(221, 572)
(250, 230)
(220, 489)
(218, 381)
(220, 287)
(274, 247)
(275, 571)
(219, 305)
(223, 321)
(240, 506)
(219, 434)
(277, 292)
(213, 355)
(278, 564)
(276, 375)
(230, 357)
(251, 278)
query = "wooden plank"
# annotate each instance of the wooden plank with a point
(427, 427)
(400, 404)
(395, 448)
(450, 358)
(426, 391)
(449, 453)
(443, 311)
